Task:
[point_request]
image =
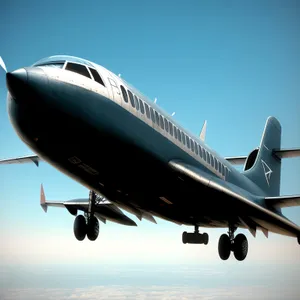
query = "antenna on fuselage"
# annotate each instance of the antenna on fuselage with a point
(203, 131)
(119, 75)
(155, 99)
(173, 113)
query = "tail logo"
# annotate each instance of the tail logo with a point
(267, 171)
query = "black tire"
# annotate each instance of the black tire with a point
(224, 247)
(240, 247)
(93, 229)
(80, 227)
(205, 238)
(184, 237)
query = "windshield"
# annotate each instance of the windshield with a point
(61, 59)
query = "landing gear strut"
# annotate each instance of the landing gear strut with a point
(238, 245)
(87, 224)
(195, 237)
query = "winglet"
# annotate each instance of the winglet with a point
(203, 131)
(43, 199)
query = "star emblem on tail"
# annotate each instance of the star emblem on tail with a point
(267, 171)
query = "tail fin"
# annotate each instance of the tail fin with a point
(266, 170)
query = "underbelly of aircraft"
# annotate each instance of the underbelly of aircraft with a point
(102, 158)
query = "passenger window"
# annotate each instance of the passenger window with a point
(208, 157)
(204, 154)
(196, 148)
(131, 99)
(152, 115)
(192, 145)
(200, 151)
(80, 69)
(141, 106)
(175, 132)
(216, 164)
(161, 121)
(183, 137)
(96, 76)
(188, 142)
(179, 135)
(124, 93)
(136, 102)
(147, 110)
(171, 128)
(166, 125)
(220, 167)
(157, 117)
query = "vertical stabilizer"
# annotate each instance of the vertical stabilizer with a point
(266, 170)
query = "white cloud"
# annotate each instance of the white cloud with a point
(154, 293)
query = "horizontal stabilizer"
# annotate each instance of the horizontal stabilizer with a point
(288, 153)
(282, 153)
(283, 201)
(236, 160)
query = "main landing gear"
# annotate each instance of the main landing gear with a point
(238, 245)
(87, 225)
(195, 237)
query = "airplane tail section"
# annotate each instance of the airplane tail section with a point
(263, 166)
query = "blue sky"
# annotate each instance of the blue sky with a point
(232, 63)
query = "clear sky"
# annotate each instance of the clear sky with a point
(232, 63)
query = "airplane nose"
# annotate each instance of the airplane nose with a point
(16, 83)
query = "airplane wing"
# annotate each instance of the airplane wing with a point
(104, 210)
(21, 160)
(281, 153)
(259, 216)
(283, 201)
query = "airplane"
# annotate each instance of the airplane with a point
(96, 128)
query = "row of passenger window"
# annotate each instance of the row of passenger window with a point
(171, 129)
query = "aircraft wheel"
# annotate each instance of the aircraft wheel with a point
(299, 239)
(240, 247)
(224, 247)
(184, 237)
(93, 229)
(80, 227)
(205, 238)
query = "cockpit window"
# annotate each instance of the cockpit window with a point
(96, 76)
(80, 69)
(57, 65)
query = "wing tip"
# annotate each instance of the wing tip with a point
(43, 202)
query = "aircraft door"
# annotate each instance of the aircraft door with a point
(115, 91)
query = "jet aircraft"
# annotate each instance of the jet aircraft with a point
(96, 128)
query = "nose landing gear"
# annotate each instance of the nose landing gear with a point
(238, 245)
